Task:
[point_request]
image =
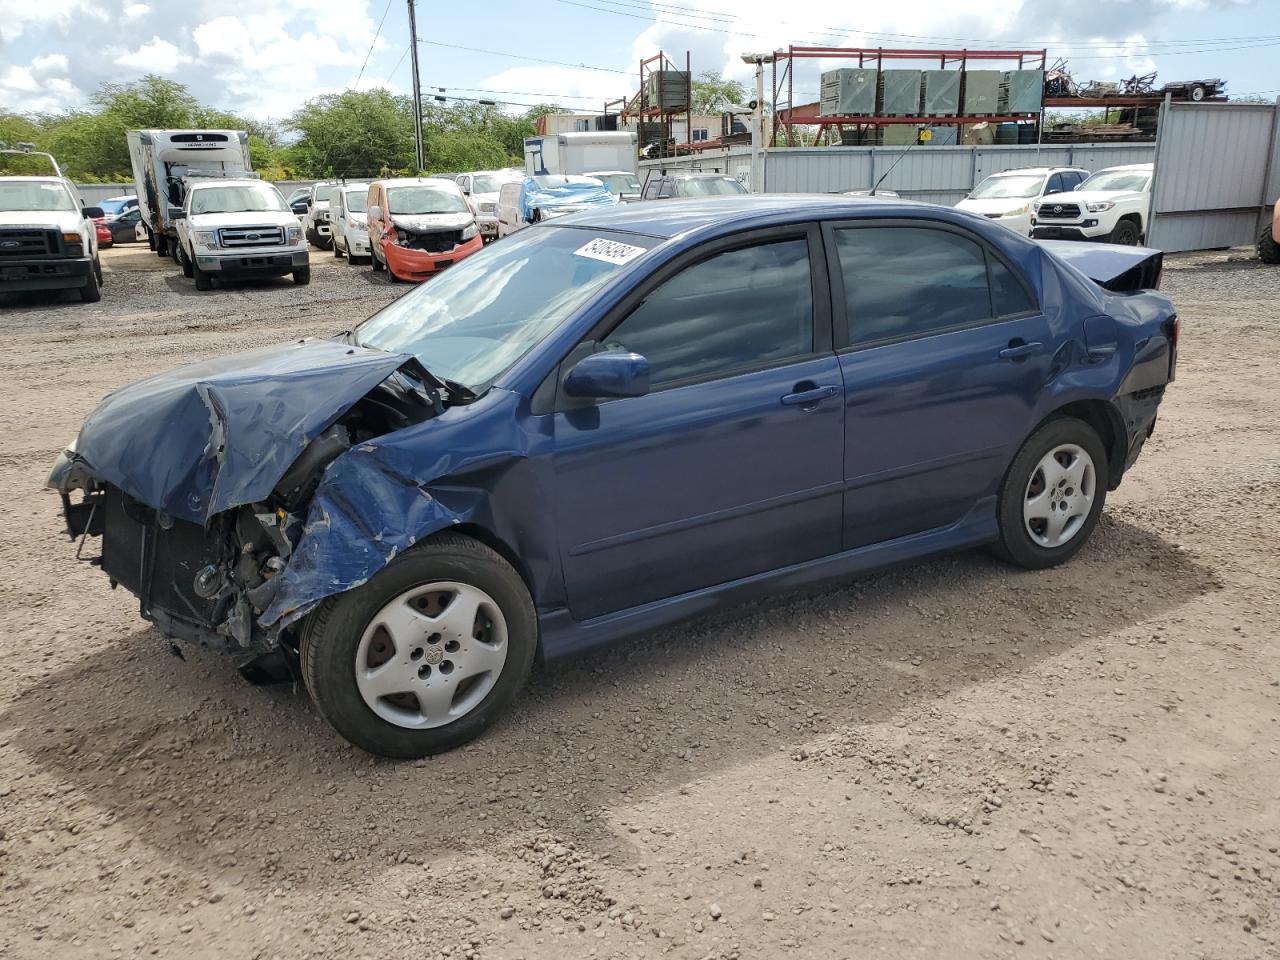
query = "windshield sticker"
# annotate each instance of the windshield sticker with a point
(610, 251)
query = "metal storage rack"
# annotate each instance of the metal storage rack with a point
(940, 93)
(664, 95)
(788, 115)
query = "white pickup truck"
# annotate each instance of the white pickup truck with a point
(1113, 206)
(47, 239)
(239, 228)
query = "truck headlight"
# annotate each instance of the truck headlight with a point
(1097, 206)
(206, 238)
(293, 233)
(470, 232)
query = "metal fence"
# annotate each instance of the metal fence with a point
(934, 174)
(1217, 173)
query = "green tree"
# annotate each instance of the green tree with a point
(357, 133)
(711, 93)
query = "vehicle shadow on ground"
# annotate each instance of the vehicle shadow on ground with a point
(186, 287)
(215, 773)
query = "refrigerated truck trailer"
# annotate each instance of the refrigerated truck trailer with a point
(569, 154)
(162, 158)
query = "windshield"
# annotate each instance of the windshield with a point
(324, 192)
(619, 184)
(490, 183)
(471, 323)
(1118, 180)
(114, 206)
(35, 195)
(996, 188)
(711, 187)
(244, 198)
(425, 199)
(356, 200)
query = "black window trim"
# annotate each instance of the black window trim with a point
(839, 304)
(819, 285)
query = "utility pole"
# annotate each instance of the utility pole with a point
(417, 91)
(757, 121)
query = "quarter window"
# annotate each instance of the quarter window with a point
(902, 282)
(743, 308)
(1008, 296)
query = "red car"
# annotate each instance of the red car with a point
(104, 234)
(419, 226)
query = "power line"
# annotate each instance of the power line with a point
(404, 54)
(376, 34)
(520, 56)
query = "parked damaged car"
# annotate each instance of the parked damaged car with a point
(612, 421)
(418, 226)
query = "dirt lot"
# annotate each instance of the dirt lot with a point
(953, 760)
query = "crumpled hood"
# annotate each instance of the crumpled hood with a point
(429, 222)
(199, 439)
(67, 221)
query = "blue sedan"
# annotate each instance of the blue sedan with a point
(613, 421)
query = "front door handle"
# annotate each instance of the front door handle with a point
(1020, 351)
(810, 397)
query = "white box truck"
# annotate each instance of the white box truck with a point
(570, 154)
(162, 158)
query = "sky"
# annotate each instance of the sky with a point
(579, 53)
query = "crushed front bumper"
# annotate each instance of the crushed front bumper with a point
(419, 265)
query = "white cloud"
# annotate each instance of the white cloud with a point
(154, 56)
(40, 87)
(135, 11)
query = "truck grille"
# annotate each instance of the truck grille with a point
(1058, 211)
(16, 243)
(251, 236)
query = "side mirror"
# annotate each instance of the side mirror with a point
(300, 209)
(177, 213)
(613, 373)
(93, 213)
(375, 212)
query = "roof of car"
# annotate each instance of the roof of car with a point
(1026, 170)
(416, 182)
(1131, 166)
(669, 218)
(225, 182)
(698, 175)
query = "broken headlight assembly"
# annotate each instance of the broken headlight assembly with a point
(470, 232)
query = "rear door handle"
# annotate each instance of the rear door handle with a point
(810, 397)
(1019, 351)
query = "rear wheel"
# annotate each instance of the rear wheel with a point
(302, 276)
(1052, 495)
(1268, 249)
(1125, 233)
(427, 654)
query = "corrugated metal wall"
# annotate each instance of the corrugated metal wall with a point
(1213, 164)
(934, 174)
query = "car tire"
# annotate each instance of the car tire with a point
(91, 292)
(201, 277)
(161, 246)
(378, 265)
(1125, 234)
(302, 276)
(185, 262)
(337, 254)
(343, 640)
(1046, 512)
(1268, 249)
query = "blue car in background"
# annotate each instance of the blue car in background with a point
(615, 420)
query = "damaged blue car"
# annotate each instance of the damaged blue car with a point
(612, 421)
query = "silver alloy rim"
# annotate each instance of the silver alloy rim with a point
(1059, 495)
(430, 655)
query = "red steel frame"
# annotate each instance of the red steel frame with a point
(640, 108)
(808, 115)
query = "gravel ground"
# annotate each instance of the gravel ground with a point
(955, 759)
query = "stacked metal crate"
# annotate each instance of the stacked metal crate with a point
(1021, 91)
(899, 93)
(940, 93)
(981, 92)
(667, 90)
(850, 91)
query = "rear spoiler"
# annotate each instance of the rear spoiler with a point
(1118, 269)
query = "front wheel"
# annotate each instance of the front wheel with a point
(203, 280)
(185, 262)
(378, 265)
(302, 276)
(1052, 495)
(91, 292)
(427, 654)
(1125, 233)
(337, 252)
(1268, 248)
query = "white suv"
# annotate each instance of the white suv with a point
(239, 228)
(1008, 197)
(1113, 205)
